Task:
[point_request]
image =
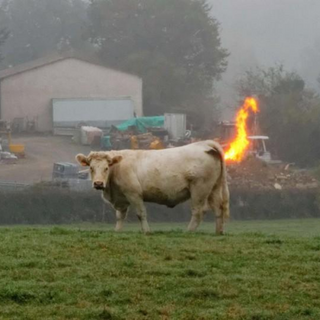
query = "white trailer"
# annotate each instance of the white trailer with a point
(68, 114)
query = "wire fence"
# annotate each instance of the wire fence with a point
(77, 185)
(13, 186)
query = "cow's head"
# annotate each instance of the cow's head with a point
(100, 164)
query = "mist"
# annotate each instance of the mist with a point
(159, 119)
(264, 33)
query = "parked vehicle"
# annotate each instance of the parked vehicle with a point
(65, 170)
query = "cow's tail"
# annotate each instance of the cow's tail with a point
(222, 185)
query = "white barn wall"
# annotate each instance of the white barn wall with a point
(29, 94)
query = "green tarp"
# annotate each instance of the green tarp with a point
(142, 123)
(106, 143)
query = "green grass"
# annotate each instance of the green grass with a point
(293, 227)
(258, 271)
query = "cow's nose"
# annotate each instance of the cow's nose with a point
(98, 184)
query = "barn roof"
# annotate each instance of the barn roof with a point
(50, 59)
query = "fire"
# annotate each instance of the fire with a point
(238, 147)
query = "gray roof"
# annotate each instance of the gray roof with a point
(50, 59)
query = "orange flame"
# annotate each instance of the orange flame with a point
(238, 147)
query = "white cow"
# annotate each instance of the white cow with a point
(131, 177)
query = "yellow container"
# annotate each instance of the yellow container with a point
(17, 148)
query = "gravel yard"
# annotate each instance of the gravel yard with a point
(41, 153)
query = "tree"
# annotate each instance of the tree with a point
(40, 27)
(4, 33)
(290, 113)
(173, 45)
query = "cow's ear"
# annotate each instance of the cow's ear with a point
(83, 160)
(114, 160)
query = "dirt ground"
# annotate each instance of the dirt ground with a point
(41, 153)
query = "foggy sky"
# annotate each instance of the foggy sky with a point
(265, 32)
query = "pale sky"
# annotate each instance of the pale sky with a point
(265, 32)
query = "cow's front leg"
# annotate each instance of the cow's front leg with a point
(142, 215)
(138, 204)
(121, 215)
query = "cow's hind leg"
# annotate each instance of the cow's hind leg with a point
(121, 215)
(198, 202)
(220, 206)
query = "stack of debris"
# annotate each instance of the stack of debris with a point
(255, 174)
(131, 139)
(7, 158)
(146, 141)
(90, 135)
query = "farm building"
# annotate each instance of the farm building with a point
(29, 92)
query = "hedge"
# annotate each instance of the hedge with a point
(61, 206)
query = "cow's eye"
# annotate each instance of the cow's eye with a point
(106, 169)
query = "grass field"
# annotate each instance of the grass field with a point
(258, 271)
